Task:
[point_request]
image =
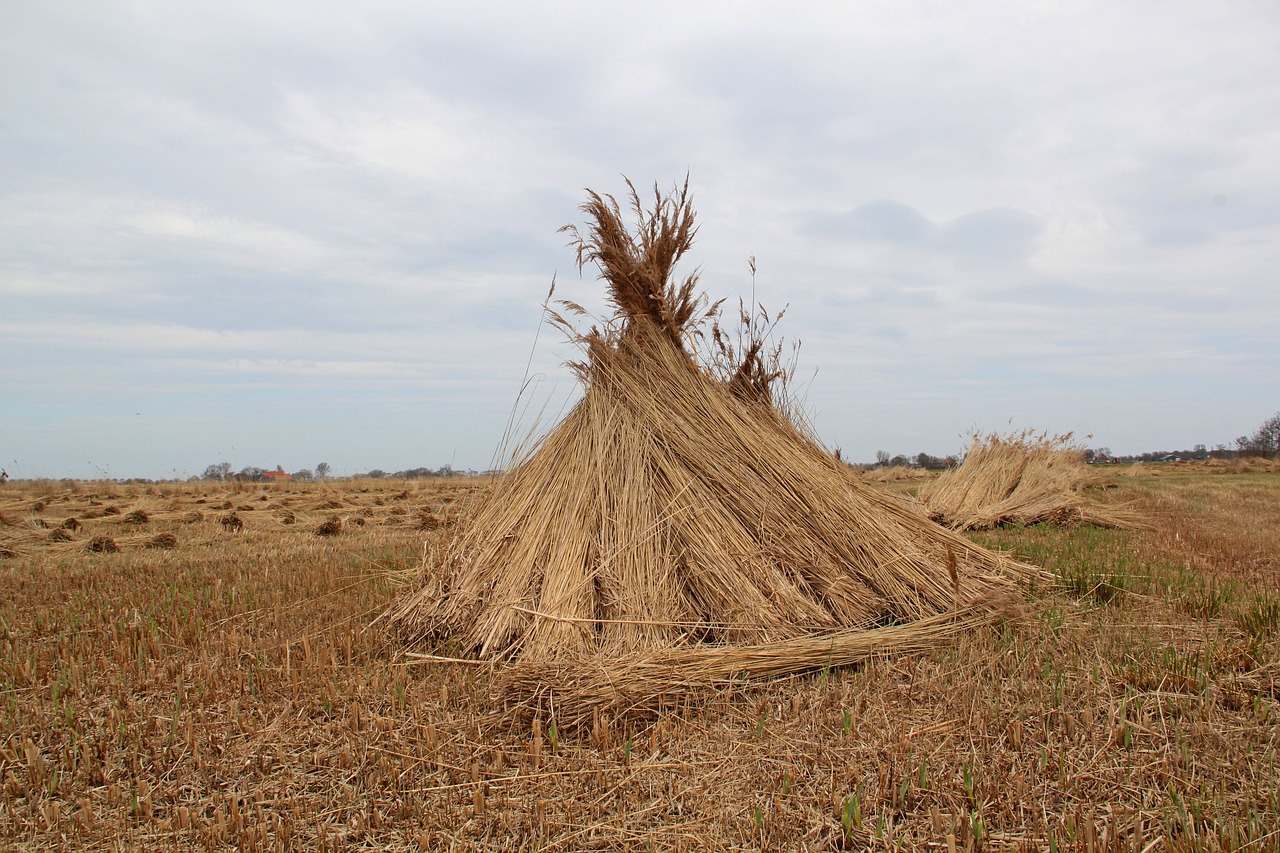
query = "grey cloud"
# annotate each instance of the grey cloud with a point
(869, 108)
(997, 235)
(1174, 214)
(1050, 293)
(1176, 236)
(888, 221)
(1188, 196)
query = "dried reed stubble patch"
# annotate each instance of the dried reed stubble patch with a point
(144, 646)
(1207, 523)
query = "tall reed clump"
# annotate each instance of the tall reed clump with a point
(1022, 478)
(678, 517)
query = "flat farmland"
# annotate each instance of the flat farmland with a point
(198, 667)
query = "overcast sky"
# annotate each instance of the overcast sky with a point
(274, 233)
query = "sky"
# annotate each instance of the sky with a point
(291, 233)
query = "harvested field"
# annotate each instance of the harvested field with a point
(1244, 465)
(226, 691)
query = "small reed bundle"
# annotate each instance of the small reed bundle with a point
(1023, 478)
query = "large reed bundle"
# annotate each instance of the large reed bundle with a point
(1023, 478)
(674, 520)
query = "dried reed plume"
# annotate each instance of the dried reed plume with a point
(1023, 478)
(678, 524)
(637, 267)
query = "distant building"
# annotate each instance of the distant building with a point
(276, 476)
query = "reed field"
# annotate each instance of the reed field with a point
(201, 667)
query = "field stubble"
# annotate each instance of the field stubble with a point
(224, 688)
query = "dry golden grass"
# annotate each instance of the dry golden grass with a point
(228, 693)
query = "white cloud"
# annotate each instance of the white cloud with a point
(232, 240)
(1016, 201)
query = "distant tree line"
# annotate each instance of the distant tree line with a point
(222, 472)
(1195, 454)
(1265, 442)
(422, 473)
(920, 460)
